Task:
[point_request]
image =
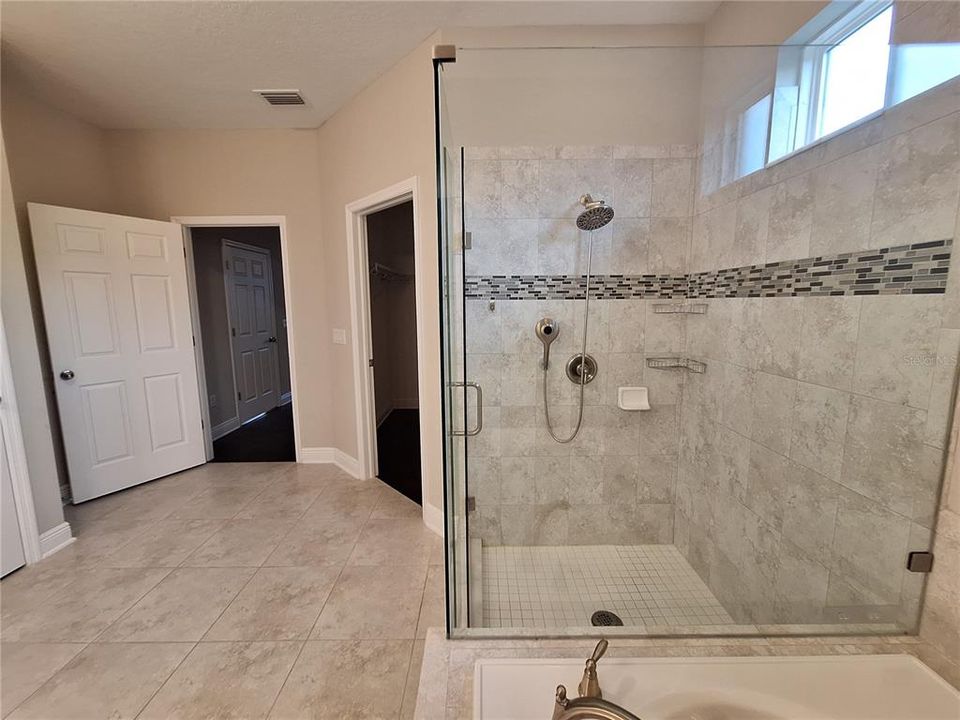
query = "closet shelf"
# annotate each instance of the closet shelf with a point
(385, 272)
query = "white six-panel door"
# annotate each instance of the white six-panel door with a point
(253, 329)
(118, 324)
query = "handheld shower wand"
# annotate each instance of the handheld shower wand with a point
(547, 331)
(596, 214)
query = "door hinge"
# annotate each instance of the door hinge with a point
(471, 503)
(184, 250)
(920, 562)
(238, 395)
(467, 240)
(233, 331)
(194, 337)
(370, 362)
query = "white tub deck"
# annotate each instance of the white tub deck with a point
(875, 687)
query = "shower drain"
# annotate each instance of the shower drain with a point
(604, 618)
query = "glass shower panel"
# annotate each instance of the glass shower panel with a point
(449, 184)
(762, 444)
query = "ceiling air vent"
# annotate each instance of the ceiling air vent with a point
(281, 97)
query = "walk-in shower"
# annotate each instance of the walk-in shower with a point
(581, 369)
(770, 337)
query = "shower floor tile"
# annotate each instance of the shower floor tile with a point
(646, 585)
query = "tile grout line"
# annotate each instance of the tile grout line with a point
(165, 681)
(105, 564)
(226, 607)
(317, 619)
(44, 683)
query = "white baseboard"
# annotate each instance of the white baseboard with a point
(286, 398)
(432, 515)
(331, 455)
(224, 428)
(433, 518)
(56, 538)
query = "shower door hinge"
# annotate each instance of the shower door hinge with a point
(467, 240)
(444, 53)
(920, 562)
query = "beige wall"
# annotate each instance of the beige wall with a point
(25, 359)
(164, 173)
(758, 23)
(381, 137)
(645, 90)
(53, 158)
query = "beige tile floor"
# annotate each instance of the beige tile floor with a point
(228, 591)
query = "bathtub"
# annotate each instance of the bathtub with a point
(860, 687)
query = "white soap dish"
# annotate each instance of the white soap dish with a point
(633, 398)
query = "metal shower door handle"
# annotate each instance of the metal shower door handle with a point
(479, 427)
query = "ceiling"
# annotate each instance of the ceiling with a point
(170, 64)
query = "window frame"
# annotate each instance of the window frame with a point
(815, 65)
(797, 88)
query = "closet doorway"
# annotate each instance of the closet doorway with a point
(393, 331)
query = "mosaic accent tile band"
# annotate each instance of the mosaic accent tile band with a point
(915, 269)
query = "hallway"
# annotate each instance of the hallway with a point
(249, 590)
(265, 439)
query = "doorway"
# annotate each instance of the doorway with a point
(240, 309)
(393, 334)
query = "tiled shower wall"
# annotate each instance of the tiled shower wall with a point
(811, 450)
(799, 470)
(615, 483)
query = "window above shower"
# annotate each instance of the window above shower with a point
(844, 65)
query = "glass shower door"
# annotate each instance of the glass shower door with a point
(453, 368)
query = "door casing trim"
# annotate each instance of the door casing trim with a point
(279, 221)
(356, 213)
(17, 457)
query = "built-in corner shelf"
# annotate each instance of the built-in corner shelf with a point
(676, 363)
(680, 308)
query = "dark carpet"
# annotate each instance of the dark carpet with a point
(267, 439)
(398, 452)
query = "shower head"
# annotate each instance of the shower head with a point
(596, 213)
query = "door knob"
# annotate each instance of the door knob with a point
(66, 375)
(271, 339)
